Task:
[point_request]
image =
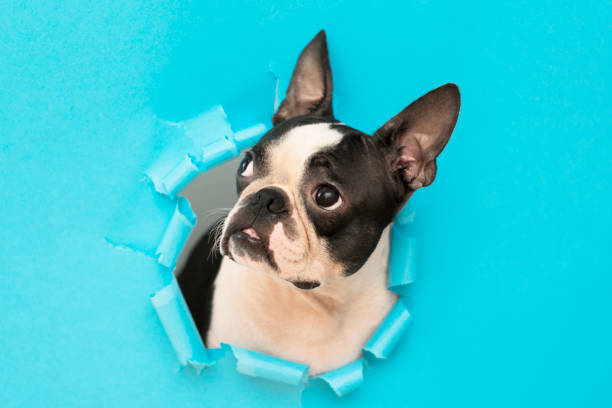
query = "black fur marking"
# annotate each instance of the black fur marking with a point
(356, 167)
(306, 285)
(196, 280)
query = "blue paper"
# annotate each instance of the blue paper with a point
(197, 145)
(402, 260)
(268, 367)
(177, 161)
(179, 326)
(249, 136)
(226, 148)
(386, 337)
(218, 152)
(512, 298)
(344, 379)
(182, 222)
(179, 176)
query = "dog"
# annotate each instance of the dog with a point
(300, 269)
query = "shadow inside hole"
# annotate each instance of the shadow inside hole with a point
(211, 195)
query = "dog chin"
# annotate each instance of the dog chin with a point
(240, 245)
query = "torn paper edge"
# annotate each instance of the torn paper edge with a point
(350, 376)
(181, 223)
(344, 379)
(388, 334)
(180, 327)
(170, 177)
(402, 260)
(380, 345)
(268, 367)
(174, 313)
(390, 331)
(276, 87)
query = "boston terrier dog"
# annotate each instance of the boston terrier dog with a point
(300, 269)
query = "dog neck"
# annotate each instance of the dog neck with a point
(345, 291)
(255, 310)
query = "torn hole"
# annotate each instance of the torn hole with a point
(211, 164)
(212, 194)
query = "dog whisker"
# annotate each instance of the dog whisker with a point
(216, 237)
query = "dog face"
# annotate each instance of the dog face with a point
(315, 194)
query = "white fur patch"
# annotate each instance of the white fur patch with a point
(290, 154)
(324, 328)
(286, 254)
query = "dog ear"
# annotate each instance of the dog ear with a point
(413, 139)
(310, 89)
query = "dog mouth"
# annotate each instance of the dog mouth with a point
(251, 234)
(246, 235)
(246, 241)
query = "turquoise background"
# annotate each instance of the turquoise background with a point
(512, 302)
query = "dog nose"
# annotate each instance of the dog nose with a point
(271, 199)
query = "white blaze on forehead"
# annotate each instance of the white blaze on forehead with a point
(289, 155)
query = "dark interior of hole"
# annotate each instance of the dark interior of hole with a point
(211, 196)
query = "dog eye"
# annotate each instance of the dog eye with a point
(327, 197)
(246, 166)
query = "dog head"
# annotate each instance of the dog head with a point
(315, 194)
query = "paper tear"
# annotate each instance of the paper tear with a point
(182, 141)
(349, 377)
(207, 127)
(128, 247)
(276, 87)
(388, 334)
(268, 367)
(180, 327)
(402, 260)
(183, 144)
(182, 222)
(197, 150)
(218, 152)
(178, 177)
(344, 379)
(198, 145)
(249, 136)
